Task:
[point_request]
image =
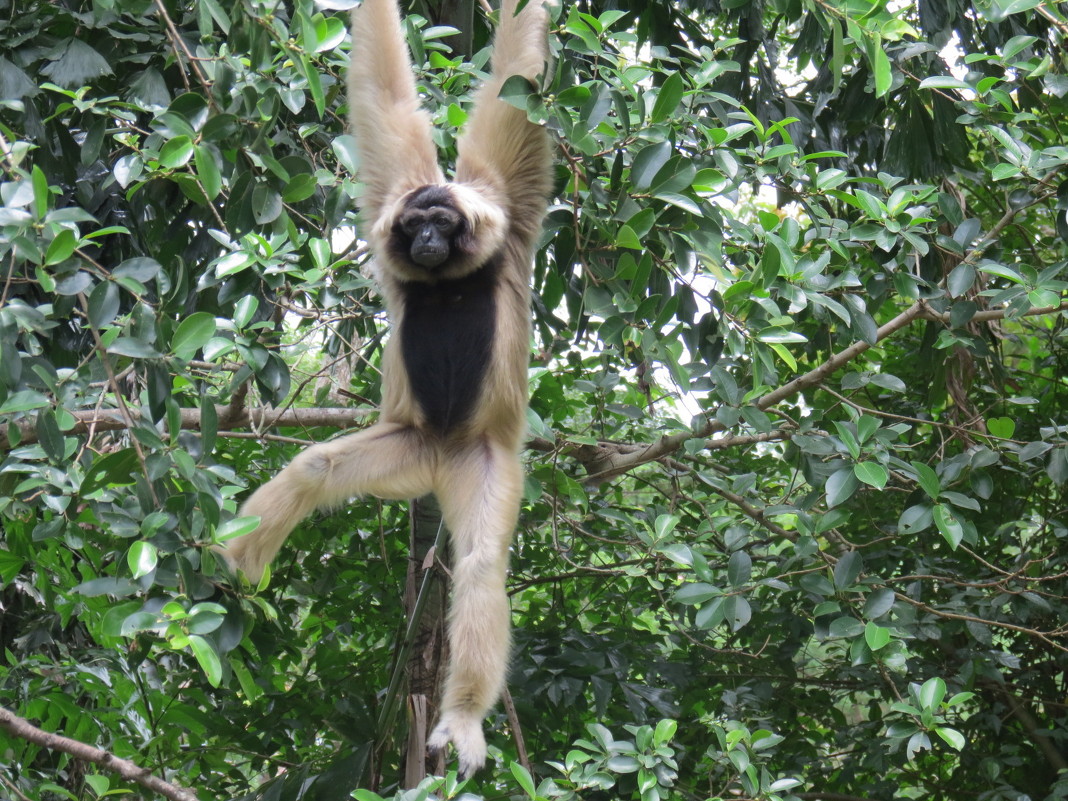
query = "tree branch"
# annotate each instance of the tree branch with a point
(995, 314)
(22, 728)
(260, 417)
(668, 444)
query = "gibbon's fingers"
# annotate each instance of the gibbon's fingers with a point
(499, 146)
(480, 489)
(388, 460)
(393, 134)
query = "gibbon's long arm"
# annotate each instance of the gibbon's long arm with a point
(499, 146)
(393, 134)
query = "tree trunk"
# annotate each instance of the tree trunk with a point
(429, 649)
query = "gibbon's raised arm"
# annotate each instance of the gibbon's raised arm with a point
(392, 132)
(499, 145)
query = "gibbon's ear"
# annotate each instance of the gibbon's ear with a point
(393, 134)
(499, 146)
(487, 220)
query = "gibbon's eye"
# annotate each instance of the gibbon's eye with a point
(443, 222)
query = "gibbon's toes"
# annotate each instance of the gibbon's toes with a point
(468, 740)
(239, 560)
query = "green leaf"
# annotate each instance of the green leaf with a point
(647, 164)
(115, 469)
(915, 519)
(208, 171)
(948, 526)
(960, 280)
(176, 153)
(41, 194)
(192, 334)
(668, 98)
(876, 636)
(872, 474)
(837, 51)
(207, 657)
(301, 187)
(108, 585)
(10, 565)
(932, 692)
(236, 527)
(61, 248)
(944, 82)
(841, 486)
(74, 284)
(49, 435)
(1008, 7)
(665, 732)
(847, 570)
(266, 204)
(881, 67)
(78, 65)
(737, 611)
(522, 775)
(142, 558)
(879, 603)
(104, 303)
(927, 478)
(1016, 44)
(739, 569)
(626, 238)
(134, 348)
(24, 400)
(696, 593)
(952, 737)
(846, 627)
(1003, 427)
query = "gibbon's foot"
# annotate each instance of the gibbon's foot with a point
(465, 734)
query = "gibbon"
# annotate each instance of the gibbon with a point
(454, 264)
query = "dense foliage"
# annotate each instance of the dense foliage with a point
(795, 523)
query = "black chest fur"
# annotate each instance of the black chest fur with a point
(447, 344)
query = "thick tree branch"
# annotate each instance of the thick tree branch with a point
(229, 419)
(22, 728)
(1041, 737)
(668, 444)
(995, 314)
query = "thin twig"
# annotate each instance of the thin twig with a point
(517, 730)
(119, 398)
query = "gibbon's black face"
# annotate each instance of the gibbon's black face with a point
(429, 229)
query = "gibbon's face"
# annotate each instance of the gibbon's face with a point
(430, 229)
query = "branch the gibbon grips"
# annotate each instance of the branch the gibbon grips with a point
(454, 265)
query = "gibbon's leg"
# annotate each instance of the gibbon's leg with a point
(388, 460)
(480, 489)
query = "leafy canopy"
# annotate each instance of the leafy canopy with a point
(795, 514)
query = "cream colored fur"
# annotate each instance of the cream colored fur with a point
(502, 185)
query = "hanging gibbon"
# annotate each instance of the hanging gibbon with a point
(454, 264)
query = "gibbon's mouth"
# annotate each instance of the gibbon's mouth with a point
(429, 257)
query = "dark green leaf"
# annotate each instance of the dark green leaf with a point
(668, 97)
(848, 570)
